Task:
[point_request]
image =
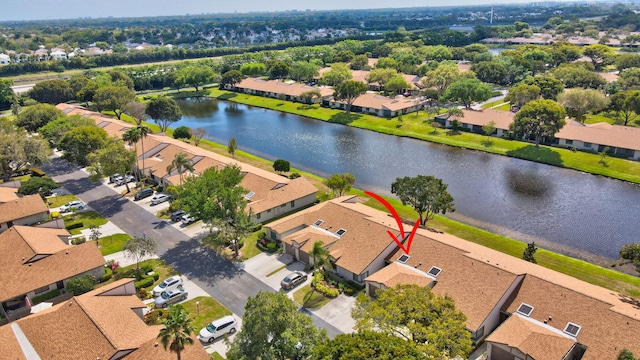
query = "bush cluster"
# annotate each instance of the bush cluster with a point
(318, 283)
(45, 296)
(78, 240)
(107, 274)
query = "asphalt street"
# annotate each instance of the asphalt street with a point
(219, 277)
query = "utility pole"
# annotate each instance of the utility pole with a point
(491, 21)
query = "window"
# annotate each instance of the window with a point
(268, 210)
(41, 290)
(525, 309)
(283, 205)
(569, 142)
(403, 258)
(361, 277)
(293, 203)
(318, 222)
(258, 216)
(435, 271)
(587, 145)
(249, 195)
(274, 236)
(572, 329)
(341, 232)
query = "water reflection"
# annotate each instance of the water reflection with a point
(530, 201)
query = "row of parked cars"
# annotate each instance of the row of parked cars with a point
(171, 291)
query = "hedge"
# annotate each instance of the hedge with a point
(317, 284)
(75, 226)
(107, 274)
(144, 283)
(79, 240)
(46, 296)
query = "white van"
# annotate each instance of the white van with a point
(218, 328)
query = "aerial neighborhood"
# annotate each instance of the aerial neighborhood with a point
(221, 185)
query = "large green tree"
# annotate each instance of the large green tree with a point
(428, 195)
(7, 96)
(381, 76)
(626, 105)
(442, 77)
(32, 118)
(79, 142)
(38, 185)
(340, 184)
(490, 72)
(18, 150)
(339, 73)
(549, 87)
(112, 159)
(349, 91)
(416, 315)
(599, 54)
(581, 101)
(522, 94)
(51, 92)
(55, 130)
(537, 120)
(139, 247)
(132, 136)
(180, 163)
(273, 328)
(231, 78)
(303, 70)
(195, 75)
(367, 345)
(113, 98)
(178, 330)
(164, 111)
(468, 91)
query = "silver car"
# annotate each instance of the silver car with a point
(167, 298)
(160, 198)
(72, 205)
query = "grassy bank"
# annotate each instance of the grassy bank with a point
(418, 126)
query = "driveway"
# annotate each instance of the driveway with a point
(220, 278)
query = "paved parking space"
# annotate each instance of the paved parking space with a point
(264, 264)
(338, 313)
(219, 345)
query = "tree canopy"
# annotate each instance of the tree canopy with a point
(626, 104)
(340, 184)
(139, 247)
(52, 92)
(415, 314)
(79, 142)
(468, 91)
(581, 101)
(631, 253)
(164, 111)
(349, 91)
(195, 75)
(111, 159)
(428, 195)
(537, 120)
(113, 98)
(339, 73)
(32, 118)
(18, 151)
(273, 328)
(178, 330)
(367, 345)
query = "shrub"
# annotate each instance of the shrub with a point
(38, 185)
(79, 240)
(107, 274)
(75, 226)
(45, 296)
(294, 175)
(155, 317)
(146, 268)
(182, 132)
(143, 293)
(81, 284)
(144, 283)
(281, 165)
(318, 283)
(55, 214)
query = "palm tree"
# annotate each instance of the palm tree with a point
(320, 255)
(180, 162)
(135, 134)
(177, 331)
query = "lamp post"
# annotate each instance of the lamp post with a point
(198, 307)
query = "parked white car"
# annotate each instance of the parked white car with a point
(172, 283)
(160, 198)
(217, 328)
(171, 297)
(72, 205)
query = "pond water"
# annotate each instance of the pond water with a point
(564, 210)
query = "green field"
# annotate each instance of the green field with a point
(87, 218)
(205, 311)
(112, 243)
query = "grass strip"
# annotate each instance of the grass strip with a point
(277, 270)
(205, 311)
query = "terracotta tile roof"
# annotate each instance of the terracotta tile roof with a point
(464, 67)
(474, 117)
(602, 133)
(308, 237)
(604, 330)
(538, 342)
(398, 274)
(153, 349)
(462, 277)
(281, 194)
(8, 194)
(22, 208)
(609, 77)
(18, 276)
(158, 162)
(380, 102)
(279, 87)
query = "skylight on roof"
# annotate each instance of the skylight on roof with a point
(249, 195)
(434, 271)
(403, 258)
(341, 232)
(572, 329)
(318, 222)
(525, 309)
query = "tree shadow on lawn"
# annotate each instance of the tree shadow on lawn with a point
(228, 96)
(540, 154)
(344, 119)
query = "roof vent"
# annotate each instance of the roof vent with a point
(572, 329)
(525, 309)
(434, 271)
(341, 232)
(404, 258)
(318, 222)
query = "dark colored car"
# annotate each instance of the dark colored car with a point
(177, 215)
(144, 193)
(292, 280)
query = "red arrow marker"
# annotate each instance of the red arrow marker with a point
(397, 217)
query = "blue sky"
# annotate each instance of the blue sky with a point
(66, 9)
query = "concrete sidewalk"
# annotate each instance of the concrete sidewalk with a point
(124, 260)
(105, 230)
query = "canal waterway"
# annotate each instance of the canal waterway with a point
(578, 214)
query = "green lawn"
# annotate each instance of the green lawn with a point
(418, 126)
(207, 310)
(215, 356)
(57, 201)
(309, 298)
(249, 249)
(163, 269)
(112, 243)
(87, 218)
